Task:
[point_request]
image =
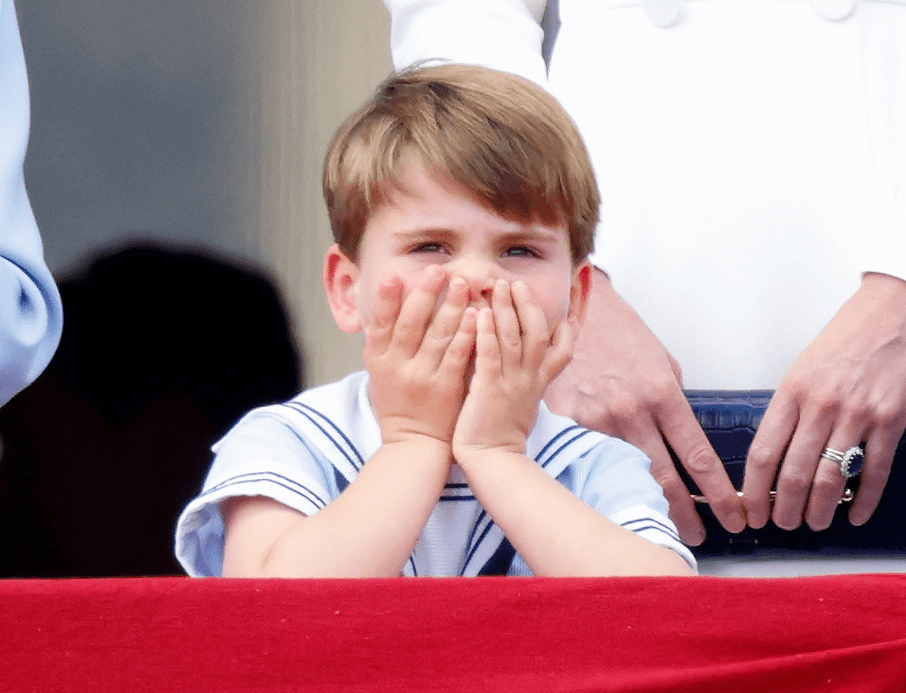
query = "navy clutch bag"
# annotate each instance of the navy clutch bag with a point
(729, 419)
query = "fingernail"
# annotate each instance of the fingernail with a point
(857, 519)
(696, 537)
(458, 287)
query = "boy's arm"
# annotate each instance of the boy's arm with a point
(416, 362)
(370, 530)
(555, 532)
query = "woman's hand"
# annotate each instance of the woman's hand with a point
(847, 387)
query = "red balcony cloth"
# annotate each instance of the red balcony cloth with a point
(845, 633)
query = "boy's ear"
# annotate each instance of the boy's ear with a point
(580, 291)
(340, 276)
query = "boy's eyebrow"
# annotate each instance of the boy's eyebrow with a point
(527, 231)
(421, 232)
(535, 232)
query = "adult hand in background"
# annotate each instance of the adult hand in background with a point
(847, 387)
(622, 381)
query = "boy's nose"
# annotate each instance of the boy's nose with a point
(480, 275)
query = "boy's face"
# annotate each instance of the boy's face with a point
(431, 220)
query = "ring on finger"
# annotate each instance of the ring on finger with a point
(850, 461)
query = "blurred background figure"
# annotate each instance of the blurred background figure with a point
(163, 350)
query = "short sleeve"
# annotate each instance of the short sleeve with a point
(614, 478)
(261, 456)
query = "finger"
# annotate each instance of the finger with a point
(386, 309)
(536, 335)
(880, 448)
(685, 436)
(763, 459)
(560, 352)
(446, 323)
(682, 508)
(509, 332)
(459, 352)
(417, 310)
(797, 472)
(829, 482)
(487, 348)
(641, 429)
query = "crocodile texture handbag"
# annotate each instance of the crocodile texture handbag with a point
(730, 419)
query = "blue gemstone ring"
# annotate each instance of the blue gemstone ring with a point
(850, 461)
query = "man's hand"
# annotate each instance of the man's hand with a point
(417, 355)
(847, 387)
(623, 382)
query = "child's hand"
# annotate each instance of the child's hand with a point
(417, 359)
(516, 356)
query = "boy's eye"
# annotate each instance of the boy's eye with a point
(427, 248)
(521, 251)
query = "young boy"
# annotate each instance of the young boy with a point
(463, 205)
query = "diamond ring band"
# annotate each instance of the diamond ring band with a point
(850, 461)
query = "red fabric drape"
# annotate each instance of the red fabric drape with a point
(844, 633)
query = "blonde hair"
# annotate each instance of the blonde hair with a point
(500, 136)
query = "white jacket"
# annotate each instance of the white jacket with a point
(751, 154)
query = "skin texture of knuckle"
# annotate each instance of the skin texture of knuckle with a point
(794, 392)
(626, 406)
(511, 343)
(890, 413)
(858, 403)
(795, 481)
(584, 390)
(825, 486)
(592, 417)
(724, 503)
(700, 460)
(458, 353)
(760, 457)
(667, 479)
(828, 402)
(662, 388)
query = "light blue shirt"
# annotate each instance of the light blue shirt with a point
(31, 315)
(305, 452)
